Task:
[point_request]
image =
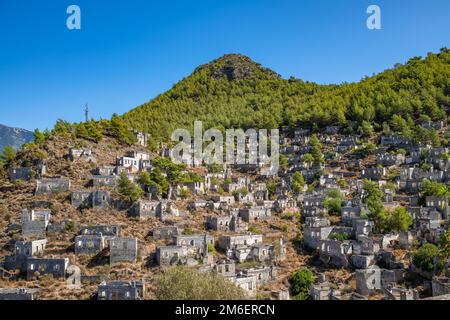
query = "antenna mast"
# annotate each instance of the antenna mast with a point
(86, 112)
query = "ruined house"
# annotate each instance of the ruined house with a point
(171, 255)
(226, 223)
(101, 230)
(247, 283)
(163, 209)
(20, 173)
(123, 250)
(263, 275)
(35, 222)
(98, 199)
(52, 185)
(255, 213)
(89, 244)
(228, 242)
(121, 290)
(81, 154)
(18, 294)
(104, 181)
(335, 253)
(375, 173)
(22, 251)
(55, 267)
(313, 235)
(165, 232)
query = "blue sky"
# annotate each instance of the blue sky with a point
(127, 52)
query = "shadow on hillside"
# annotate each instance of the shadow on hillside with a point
(100, 259)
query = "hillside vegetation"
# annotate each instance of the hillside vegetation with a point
(234, 91)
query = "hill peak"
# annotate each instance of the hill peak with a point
(237, 67)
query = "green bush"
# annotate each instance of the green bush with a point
(301, 281)
(424, 258)
(128, 190)
(184, 283)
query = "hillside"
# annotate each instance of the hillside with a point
(234, 91)
(14, 137)
(116, 181)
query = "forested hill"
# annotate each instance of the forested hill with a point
(234, 91)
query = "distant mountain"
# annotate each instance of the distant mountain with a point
(15, 137)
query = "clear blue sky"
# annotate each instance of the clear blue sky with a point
(130, 51)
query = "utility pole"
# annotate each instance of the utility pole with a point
(86, 112)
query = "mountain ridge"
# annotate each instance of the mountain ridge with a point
(235, 91)
(15, 137)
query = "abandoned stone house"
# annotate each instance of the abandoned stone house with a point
(313, 212)
(362, 227)
(335, 253)
(199, 241)
(226, 268)
(395, 141)
(439, 204)
(323, 291)
(142, 138)
(255, 213)
(362, 261)
(104, 181)
(313, 235)
(123, 250)
(223, 199)
(390, 159)
(121, 290)
(105, 171)
(263, 275)
(146, 208)
(247, 283)
(171, 255)
(237, 183)
(98, 199)
(397, 293)
(198, 204)
(101, 230)
(226, 223)
(313, 201)
(286, 204)
(317, 222)
(165, 232)
(228, 242)
(89, 244)
(266, 253)
(245, 197)
(47, 266)
(440, 286)
(348, 214)
(18, 294)
(375, 173)
(212, 181)
(35, 222)
(81, 154)
(52, 185)
(149, 208)
(22, 251)
(21, 173)
(196, 188)
(132, 165)
(373, 279)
